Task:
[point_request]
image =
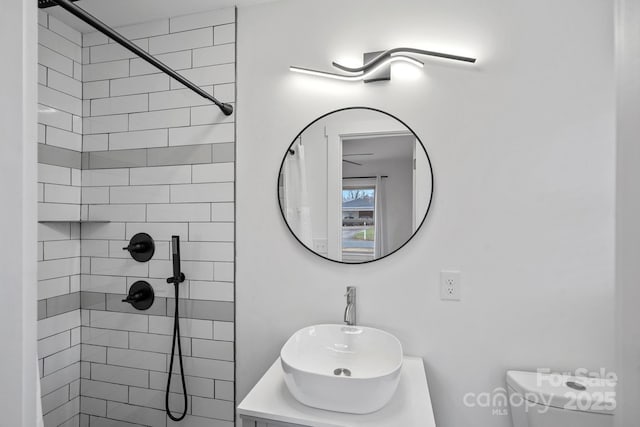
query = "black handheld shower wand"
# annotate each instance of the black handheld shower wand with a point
(176, 279)
(178, 276)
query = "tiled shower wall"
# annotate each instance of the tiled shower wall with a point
(159, 159)
(59, 158)
(155, 158)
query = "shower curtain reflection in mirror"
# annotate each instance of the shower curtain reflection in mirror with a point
(380, 212)
(296, 194)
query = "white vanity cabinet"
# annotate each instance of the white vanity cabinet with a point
(269, 404)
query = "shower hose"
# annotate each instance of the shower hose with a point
(176, 337)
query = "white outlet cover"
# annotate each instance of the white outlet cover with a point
(320, 246)
(450, 285)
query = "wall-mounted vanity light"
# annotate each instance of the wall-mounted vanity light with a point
(377, 65)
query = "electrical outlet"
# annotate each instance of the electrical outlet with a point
(450, 285)
(320, 246)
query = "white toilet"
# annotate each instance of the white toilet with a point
(554, 400)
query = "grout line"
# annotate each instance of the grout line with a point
(61, 35)
(60, 92)
(64, 56)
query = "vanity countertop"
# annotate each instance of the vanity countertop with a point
(410, 406)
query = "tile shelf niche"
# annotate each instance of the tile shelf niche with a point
(49, 213)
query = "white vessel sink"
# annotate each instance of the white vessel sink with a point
(351, 369)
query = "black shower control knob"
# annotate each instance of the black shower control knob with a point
(141, 295)
(136, 247)
(136, 297)
(141, 247)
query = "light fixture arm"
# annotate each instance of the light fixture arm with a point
(391, 52)
(377, 68)
(361, 75)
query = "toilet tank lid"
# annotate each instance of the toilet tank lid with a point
(567, 392)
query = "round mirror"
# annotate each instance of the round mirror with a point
(355, 185)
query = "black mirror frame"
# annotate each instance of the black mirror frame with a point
(287, 151)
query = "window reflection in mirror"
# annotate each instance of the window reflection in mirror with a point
(355, 185)
(358, 222)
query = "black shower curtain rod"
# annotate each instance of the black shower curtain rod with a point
(227, 109)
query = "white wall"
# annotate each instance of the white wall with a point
(628, 212)
(18, 38)
(522, 146)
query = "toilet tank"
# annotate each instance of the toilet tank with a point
(553, 400)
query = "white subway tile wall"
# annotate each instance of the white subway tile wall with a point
(60, 146)
(148, 166)
(122, 142)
